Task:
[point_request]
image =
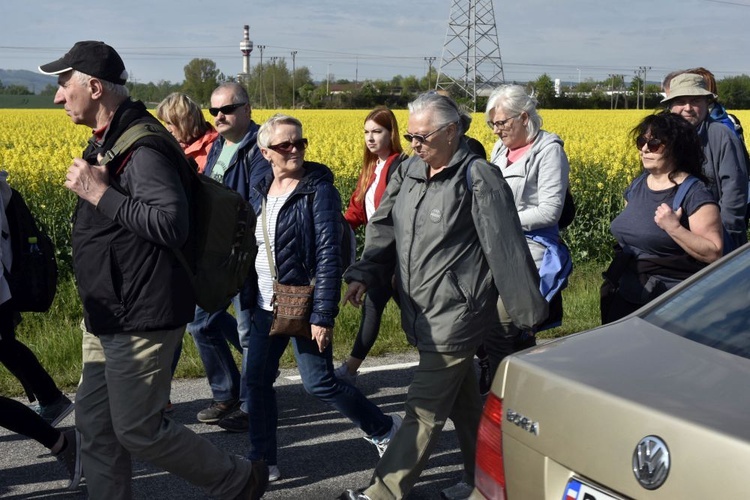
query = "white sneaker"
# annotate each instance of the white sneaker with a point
(460, 491)
(342, 373)
(274, 474)
(381, 443)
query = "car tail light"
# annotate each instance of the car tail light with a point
(489, 477)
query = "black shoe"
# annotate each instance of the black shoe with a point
(217, 411)
(485, 383)
(237, 421)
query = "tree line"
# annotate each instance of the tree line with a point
(273, 85)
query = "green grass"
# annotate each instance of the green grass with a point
(55, 336)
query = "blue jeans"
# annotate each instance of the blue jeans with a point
(211, 332)
(316, 370)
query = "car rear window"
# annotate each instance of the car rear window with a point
(715, 310)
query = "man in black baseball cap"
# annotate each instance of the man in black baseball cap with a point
(136, 296)
(93, 58)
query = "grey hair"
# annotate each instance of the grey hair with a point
(238, 91)
(514, 100)
(269, 127)
(111, 88)
(444, 107)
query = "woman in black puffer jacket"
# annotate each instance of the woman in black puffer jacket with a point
(302, 222)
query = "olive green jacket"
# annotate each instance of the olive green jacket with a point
(453, 250)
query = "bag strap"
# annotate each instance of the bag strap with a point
(266, 238)
(682, 191)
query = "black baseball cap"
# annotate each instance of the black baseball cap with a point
(93, 58)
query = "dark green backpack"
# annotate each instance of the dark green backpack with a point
(220, 249)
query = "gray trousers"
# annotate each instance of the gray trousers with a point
(444, 386)
(119, 413)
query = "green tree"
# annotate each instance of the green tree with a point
(544, 90)
(201, 78)
(49, 90)
(734, 92)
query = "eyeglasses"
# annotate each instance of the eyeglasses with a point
(500, 123)
(422, 138)
(226, 110)
(288, 146)
(652, 144)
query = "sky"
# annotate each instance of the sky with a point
(349, 39)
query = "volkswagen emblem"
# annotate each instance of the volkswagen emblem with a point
(651, 462)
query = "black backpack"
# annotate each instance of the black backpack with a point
(33, 274)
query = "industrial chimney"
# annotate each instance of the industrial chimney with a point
(246, 46)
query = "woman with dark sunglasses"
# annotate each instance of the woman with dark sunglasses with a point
(299, 234)
(382, 156)
(658, 244)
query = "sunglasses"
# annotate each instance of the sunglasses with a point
(422, 138)
(652, 144)
(288, 146)
(500, 123)
(226, 110)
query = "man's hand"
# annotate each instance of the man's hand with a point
(354, 293)
(87, 181)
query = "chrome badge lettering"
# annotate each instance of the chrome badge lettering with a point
(523, 422)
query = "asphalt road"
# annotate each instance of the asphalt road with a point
(320, 452)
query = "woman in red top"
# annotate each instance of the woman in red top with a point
(382, 155)
(185, 121)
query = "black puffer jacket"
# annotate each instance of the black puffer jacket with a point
(128, 278)
(308, 239)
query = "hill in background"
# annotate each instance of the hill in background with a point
(33, 81)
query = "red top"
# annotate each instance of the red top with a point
(356, 215)
(199, 148)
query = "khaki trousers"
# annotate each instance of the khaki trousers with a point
(444, 386)
(119, 412)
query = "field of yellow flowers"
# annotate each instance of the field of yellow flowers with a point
(38, 145)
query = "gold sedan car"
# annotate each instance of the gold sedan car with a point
(654, 406)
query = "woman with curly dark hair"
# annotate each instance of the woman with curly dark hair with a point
(660, 244)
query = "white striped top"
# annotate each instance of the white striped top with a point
(265, 281)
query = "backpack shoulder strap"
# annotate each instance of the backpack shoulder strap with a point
(469, 182)
(682, 191)
(128, 139)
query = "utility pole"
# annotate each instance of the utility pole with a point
(644, 69)
(637, 88)
(261, 87)
(273, 78)
(294, 89)
(429, 60)
(328, 80)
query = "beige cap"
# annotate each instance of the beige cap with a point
(687, 84)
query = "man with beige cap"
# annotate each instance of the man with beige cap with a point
(724, 164)
(136, 297)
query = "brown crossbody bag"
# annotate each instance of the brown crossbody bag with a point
(292, 304)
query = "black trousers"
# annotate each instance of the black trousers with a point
(19, 418)
(22, 363)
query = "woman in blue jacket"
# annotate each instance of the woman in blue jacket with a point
(302, 220)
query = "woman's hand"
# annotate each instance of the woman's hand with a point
(666, 218)
(354, 293)
(322, 335)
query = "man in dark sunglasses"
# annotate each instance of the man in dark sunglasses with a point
(235, 161)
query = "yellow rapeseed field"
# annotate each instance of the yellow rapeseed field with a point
(38, 146)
